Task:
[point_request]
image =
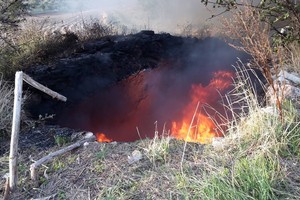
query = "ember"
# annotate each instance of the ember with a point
(102, 138)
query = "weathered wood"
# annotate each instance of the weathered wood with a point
(50, 156)
(47, 198)
(6, 188)
(13, 179)
(42, 88)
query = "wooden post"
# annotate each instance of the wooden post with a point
(13, 156)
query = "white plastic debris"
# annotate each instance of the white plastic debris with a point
(217, 143)
(86, 144)
(88, 135)
(135, 156)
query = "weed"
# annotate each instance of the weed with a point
(61, 195)
(58, 165)
(61, 140)
(100, 155)
(157, 148)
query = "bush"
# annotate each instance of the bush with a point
(33, 44)
(282, 16)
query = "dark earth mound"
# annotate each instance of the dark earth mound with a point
(97, 65)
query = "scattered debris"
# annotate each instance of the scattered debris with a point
(217, 143)
(135, 156)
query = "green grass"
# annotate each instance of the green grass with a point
(247, 179)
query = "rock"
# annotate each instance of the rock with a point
(287, 86)
(284, 75)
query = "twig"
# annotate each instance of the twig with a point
(47, 198)
(6, 188)
(50, 156)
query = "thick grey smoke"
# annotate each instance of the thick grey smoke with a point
(173, 16)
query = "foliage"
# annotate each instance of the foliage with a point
(251, 35)
(61, 140)
(283, 16)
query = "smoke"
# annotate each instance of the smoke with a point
(173, 16)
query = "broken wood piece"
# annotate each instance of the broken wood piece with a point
(47, 198)
(33, 167)
(13, 155)
(6, 187)
(42, 88)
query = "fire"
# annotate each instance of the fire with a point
(194, 125)
(101, 137)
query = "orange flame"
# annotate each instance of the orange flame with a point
(202, 129)
(102, 138)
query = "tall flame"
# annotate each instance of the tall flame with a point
(201, 129)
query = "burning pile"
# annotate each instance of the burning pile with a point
(190, 125)
(110, 96)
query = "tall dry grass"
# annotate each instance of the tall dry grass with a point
(249, 33)
(6, 107)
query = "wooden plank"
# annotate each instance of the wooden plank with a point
(42, 88)
(13, 156)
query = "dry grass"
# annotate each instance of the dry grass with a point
(292, 58)
(6, 107)
(40, 42)
(250, 34)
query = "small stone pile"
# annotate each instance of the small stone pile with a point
(288, 87)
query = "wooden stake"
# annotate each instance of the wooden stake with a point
(42, 88)
(13, 179)
(13, 156)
